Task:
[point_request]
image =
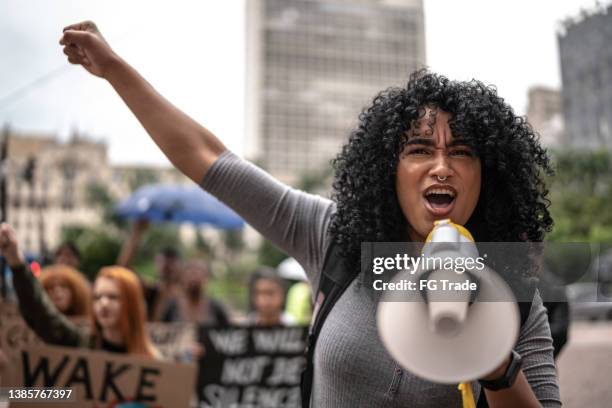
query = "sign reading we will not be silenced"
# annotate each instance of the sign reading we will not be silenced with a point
(102, 379)
(251, 367)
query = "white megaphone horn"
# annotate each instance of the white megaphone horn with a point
(450, 336)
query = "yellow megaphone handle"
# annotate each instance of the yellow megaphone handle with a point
(467, 395)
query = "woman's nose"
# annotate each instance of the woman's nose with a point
(441, 168)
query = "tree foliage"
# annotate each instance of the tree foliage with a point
(581, 196)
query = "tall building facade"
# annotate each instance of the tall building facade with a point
(313, 65)
(586, 74)
(545, 114)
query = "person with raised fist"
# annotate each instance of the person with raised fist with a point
(117, 318)
(429, 150)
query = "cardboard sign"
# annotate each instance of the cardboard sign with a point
(248, 367)
(101, 379)
(8, 309)
(173, 340)
(14, 336)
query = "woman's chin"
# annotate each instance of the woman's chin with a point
(107, 324)
(61, 307)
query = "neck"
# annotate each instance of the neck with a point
(195, 296)
(112, 335)
(269, 320)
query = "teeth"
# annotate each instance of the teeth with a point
(441, 191)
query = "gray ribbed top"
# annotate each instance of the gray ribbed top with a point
(352, 367)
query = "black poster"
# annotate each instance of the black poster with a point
(249, 367)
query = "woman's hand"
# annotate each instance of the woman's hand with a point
(84, 45)
(9, 248)
(197, 350)
(189, 146)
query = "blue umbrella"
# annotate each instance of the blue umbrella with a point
(178, 203)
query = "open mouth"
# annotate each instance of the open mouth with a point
(440, 201)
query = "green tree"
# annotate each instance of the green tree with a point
(580, 194)
(99, 246)
(157, 237)
(269, 255)
(98, 196)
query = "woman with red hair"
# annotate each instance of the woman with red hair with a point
(68, 289)
(118, 317)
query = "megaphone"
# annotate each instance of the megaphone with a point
(450, 336)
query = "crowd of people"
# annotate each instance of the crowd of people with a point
(63, 308)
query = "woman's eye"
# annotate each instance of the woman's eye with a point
(462, 152)
(418, 151)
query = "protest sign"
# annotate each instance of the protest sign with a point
(251, 367)
(15, 334)
(8, 309)
(174, 341)
(103, 380)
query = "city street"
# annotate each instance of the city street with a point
(585, 366)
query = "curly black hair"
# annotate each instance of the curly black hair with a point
(513, 204)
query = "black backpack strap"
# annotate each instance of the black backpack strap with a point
(334, 281)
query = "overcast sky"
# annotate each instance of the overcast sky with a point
(193, 53)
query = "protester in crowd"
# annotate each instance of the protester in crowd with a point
(429, 150)
(299, 303)
(552, 286)
(162, 297)
(196, 305)
(267, 299)
(117, 320)
(67, 254)
(69, 291)
(558, 318)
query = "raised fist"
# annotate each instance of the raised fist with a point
(84, 45)
(9, 247)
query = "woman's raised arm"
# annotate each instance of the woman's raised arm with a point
(293, 220)
(189, 146)
(35, 306)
